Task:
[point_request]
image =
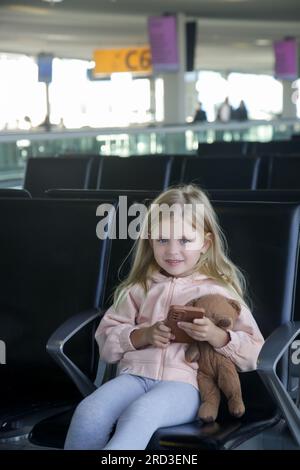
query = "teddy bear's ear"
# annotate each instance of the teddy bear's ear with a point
(235, 305)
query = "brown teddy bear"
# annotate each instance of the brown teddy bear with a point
(216, 372)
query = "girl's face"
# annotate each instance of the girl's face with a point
(178, 246)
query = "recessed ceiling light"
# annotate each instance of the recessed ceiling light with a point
(53, 1)
(60, 37)
(263, 42)
(232, 1)
(27, 10)
(241, 45)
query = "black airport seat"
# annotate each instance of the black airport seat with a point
(226, 149)
(266, 195)
(263, 239)
(44, 173)
(176, 164)
(263, 195)
(119, 261)
(221, 172)
(132, 194)
(276, 147)
(284, 173)
(94, 170)
(52, 266)
(139, 173)
(14, 193)
(269, 257)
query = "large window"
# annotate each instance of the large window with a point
(21, 95)
(75, 101)
(120, 100)
(262, 94)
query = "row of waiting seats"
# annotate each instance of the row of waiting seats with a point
(57, 278)
(159, 172)
(251, 149)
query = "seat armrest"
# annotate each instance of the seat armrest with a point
(272, 351)
(57, 341)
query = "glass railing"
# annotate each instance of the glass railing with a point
(16, 147)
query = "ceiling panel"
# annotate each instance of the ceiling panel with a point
(247, 9)
(232, 34)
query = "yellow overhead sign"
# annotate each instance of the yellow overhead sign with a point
(132, 59)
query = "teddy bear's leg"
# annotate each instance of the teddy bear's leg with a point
(229, 383)
(210, 398)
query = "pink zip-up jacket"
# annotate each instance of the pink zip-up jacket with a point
(139, 309)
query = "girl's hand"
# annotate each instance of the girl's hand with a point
(159, 335)
(203, 329)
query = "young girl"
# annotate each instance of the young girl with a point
(155, 387)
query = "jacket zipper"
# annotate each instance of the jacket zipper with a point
(160, 373)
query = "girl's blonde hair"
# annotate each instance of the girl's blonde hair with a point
(214, 263)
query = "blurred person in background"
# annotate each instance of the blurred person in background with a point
(241, 113)
(225, 111)
(200, 114)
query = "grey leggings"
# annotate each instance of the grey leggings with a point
(138, 405)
